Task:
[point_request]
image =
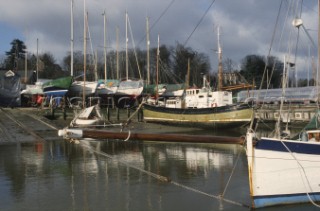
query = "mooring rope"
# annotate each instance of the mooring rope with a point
(232, 172)
(163, 178)
(304, 175)
(219, 197)
(132, 115)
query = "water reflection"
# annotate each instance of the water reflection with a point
(118, 175)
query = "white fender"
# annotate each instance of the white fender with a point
(70, 133)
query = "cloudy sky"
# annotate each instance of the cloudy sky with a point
(247, 26)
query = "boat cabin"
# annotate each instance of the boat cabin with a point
(204, 98)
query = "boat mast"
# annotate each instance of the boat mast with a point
(26, 67)
(117, 56)
(84, 53)
(37, 59)
(318, 77)
(71, 51)
(220, 63)
(157, 78)
(127, 65)
(148, 53)
(104, 47)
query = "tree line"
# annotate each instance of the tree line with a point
(172, 65)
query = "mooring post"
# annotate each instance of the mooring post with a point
(64, 107)
(118, 115)
(140, 115)
(128, 112)
(108, 113)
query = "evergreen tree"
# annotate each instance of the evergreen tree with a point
(16, 55)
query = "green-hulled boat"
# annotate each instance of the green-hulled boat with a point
(229, 115)
(57, 87)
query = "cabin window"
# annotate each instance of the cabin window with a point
(298, 115)
(314, 136)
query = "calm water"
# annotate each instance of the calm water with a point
(116, 175)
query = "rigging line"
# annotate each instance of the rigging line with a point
(269, 52)
(232, 172)
(134, 113)
(304, 174)
(210, 195)
(134, 49)
(92, 57)
(201, 19)
(270, 47)
(162, 14)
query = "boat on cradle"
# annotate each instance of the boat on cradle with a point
(128, 93)
(106, 90)
(56, 89)
(107, 87)
(78, 88)
(10, 89)
(285, 171)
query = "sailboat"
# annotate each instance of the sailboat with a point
(83, 87)
(91, 115)
(285, 170)
(106, 87)
(129, 90)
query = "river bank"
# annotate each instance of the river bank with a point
(33, 124)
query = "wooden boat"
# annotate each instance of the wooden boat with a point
(231, 115)
(199, 107)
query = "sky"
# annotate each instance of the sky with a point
(246, 27)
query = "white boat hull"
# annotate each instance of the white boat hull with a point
(77, 88)
(278, 176)
(85, 122)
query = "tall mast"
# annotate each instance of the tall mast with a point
(220, 63)
(127, 65)
(104, 47)
(37, 59)
(71, 51)
(117, 56)
(318, 77)
(157, 78)
(26, 67)
(148, 53)
(84, 53)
